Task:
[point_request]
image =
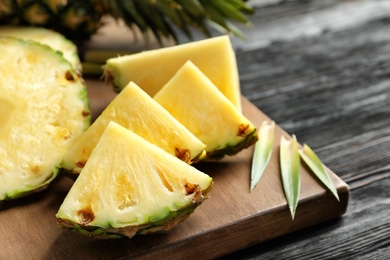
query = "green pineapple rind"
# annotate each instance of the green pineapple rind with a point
(229, 149)
(16, 194)
(81, 212)
(162, 223)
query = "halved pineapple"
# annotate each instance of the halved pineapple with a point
(130, 186)
(135, 110)
(45, 36)
(196, 103)
(151, 70)
(43, 111)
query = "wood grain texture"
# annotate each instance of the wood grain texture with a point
(331, 87)
(232, 219)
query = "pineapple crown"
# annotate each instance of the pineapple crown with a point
(78, 20)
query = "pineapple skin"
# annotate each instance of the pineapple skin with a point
(83, 120)
(77, 20)
(165, 224)
(250, 139)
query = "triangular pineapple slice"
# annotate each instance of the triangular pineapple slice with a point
(135, 110)
(130, 186)
(195, 102)
(152, 69)
(43, 110)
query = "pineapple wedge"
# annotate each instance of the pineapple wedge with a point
(45, 36)
(152, 69)
(138, 112)
(130, 186)
(43, 111)
(196, 103)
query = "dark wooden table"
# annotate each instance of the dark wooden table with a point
(321, 70)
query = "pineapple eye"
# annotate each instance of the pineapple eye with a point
(190, 188)
(69, 76)
(85, 113)
(242, 129)
(183, 155)
(195, 190)
(85, 216)
(80, 164)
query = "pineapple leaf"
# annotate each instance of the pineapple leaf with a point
(290, 172)
(262, 152)
(315, 164)
(78, 20)
(193, 7)
(154, 20)
(180, 19)
(229, 10)
(219, 22)
(130, 13)
(242, 6)
(160, 16)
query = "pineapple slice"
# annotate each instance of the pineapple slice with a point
(130, 186)
(135, 110)
(43, 110)
(45, 36)
(196, 103)
(152, 69)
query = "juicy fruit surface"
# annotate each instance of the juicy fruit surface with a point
(135, 110)
(45, 36)
(151, 70)
(195, 102)
(43, 110)
(131, 186)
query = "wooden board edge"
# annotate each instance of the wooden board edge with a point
(254, 230)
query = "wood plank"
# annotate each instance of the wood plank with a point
(362, 233)
(232, 219)
(332, 90)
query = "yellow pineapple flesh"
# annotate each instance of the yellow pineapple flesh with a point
(43, 111)
(152, 69)
(135, 110)
(130, 186)
(195, 102)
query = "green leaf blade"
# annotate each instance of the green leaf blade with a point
(315, 164)
(290, 172)
(262, 152)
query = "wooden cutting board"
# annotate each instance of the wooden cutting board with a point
(230, 220)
